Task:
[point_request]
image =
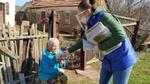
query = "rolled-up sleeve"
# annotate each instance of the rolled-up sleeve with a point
(118, 33)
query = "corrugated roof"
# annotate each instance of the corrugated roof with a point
(44, 4)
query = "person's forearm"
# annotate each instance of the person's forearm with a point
(76, 46)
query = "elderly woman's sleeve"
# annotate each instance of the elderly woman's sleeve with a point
(118, 33)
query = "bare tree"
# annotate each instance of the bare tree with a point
(138, 10)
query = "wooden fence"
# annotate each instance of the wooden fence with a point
(20, 53)
(131, 26)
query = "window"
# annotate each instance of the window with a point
(1, 7)
(7, 8)
(67, 18)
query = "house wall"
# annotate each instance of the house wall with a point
(67, 22)
(1, 14)
(9, 11)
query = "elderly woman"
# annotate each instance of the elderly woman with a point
(51, 64)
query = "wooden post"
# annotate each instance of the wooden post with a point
(36, 47)
(1, 77)
(136, 28)
(53, 28)
(22, 78)
(55, 25)
(3, 59)
(1, 72)
(15, 62)
(40, 46)
(43, 42)
(7, 61)
(82, 58)
(32, 57)
(50, 27)
(21, 48)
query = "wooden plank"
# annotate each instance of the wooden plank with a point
(129, 30)
(28, 48)
(8, 53)
(23, 37)
(3, 59)
(51, 25)
(43, 40)
(83, 55)
(54, 26)
(16, 48)
(12, 48)
(26, 77)
(145, 30)
(1, 62)
(44, 29)
(16, 52)
(21, 48)
(126, 18)
(32, 47)
(32, 33)
(4, 69)
(22, 78)
(1, 66)
(7, 61)
(134, 37)
(40, 48)
(143, 39)
(1, 76)
(36, 47)
(146, 43)
(130, 24)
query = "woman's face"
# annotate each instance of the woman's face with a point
(89, 12)
(54, 48)
(84, 16)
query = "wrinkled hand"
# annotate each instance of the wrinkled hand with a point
(62, 70)
(65, 54)
(60, 58)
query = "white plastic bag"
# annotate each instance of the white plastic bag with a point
(88, 45)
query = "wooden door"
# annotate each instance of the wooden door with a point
(53, 29)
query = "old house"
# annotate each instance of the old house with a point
(66, 9)
(7, 12)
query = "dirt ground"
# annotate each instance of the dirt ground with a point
(89, 76)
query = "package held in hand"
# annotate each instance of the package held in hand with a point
(97, 33)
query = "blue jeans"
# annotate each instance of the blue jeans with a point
(119, 77)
